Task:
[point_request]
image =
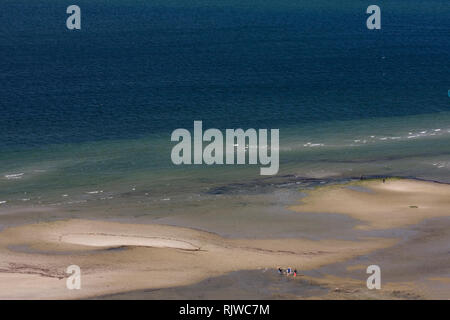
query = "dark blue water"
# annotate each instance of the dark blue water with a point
(92, 110)
(147, 67)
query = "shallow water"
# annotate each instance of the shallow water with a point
(252, 284)
(421, 256)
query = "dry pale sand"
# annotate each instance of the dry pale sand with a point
(118, 257)
(33, 258)
(395, 203)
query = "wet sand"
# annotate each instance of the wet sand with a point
(395, 203)
(417, 267)
(123, 260)
(155, 257)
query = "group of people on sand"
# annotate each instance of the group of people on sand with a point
(288, 271)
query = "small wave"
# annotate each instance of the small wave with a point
(2, 202)
(95, 192)
(14, 176)
(441, 165)
(409, 135)
(309, 144)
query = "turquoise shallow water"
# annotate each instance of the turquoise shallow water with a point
(87, 116)
(414, 146)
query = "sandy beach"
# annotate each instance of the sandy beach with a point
(124, 259)
(395, 203)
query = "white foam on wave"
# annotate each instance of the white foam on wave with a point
(95, 192)
(410, 135)
(441, 165)
(310, 144)
(14, 176)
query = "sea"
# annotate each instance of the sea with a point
(86, 115)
